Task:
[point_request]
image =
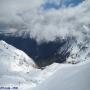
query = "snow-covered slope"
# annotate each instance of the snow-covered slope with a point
(68, 77)
(14, 66)
(17, 69)
(14, 59)
(80, 49)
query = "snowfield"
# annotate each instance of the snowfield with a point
(18, 70)
(69, 77)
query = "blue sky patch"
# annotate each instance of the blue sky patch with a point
(65, 3)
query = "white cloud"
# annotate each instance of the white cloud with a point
(10, 8)
(48, 25)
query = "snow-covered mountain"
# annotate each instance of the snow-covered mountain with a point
(80, 49)
(14, 65)
(14, 59)
(57, 50)
(18, 69)
(45, 26)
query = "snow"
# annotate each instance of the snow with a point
(15, 65)
(14, 59)
(69, 77)
(19, 70)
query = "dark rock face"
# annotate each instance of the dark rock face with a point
(43, 54)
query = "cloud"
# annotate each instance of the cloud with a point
(10, 21)
(10, 8)
(29, 18)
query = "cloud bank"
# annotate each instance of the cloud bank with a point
(28, 18)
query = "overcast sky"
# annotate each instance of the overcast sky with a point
(45, 20)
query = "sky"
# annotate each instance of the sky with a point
(64, 3)
(45, 20)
